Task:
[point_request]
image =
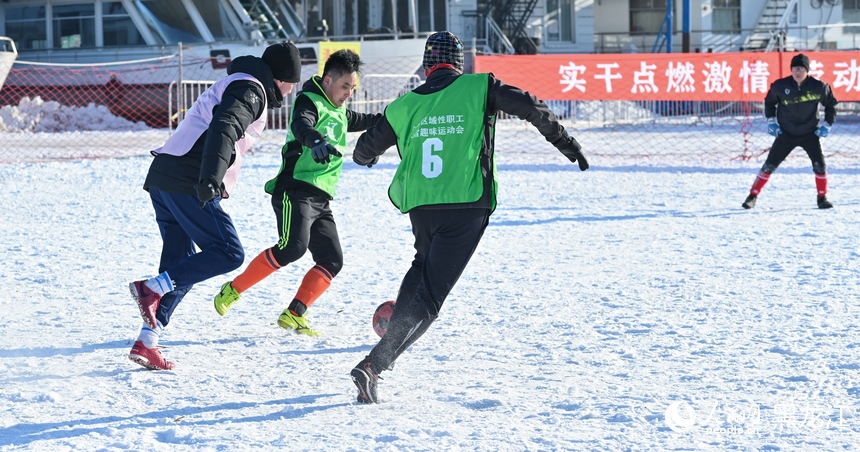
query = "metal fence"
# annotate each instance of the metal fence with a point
(56, 113)
(807, 38)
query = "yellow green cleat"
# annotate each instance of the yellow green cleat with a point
(226, 298)
(289, 321)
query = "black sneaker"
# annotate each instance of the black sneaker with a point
(823, 203)
(750, 202)
(365, 380)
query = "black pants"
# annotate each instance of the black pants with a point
(305, 222)
(784, 144)
(444, 243)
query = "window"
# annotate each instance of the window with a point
(851, 14)
(559, 21)
(119, 30)
(349, 15)
(647, 16)
(323, 19)
(425, 16)
(397, 16)
(403, 12)
(363, 16)
(440, 15)
(431, 15)
(74, 26)
(329, 15)
(726, 17)
(26, 26)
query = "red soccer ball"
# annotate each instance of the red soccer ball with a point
(382, 316)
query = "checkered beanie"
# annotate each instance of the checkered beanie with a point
(443, 47)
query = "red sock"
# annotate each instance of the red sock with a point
(262, 266)
(760, 180)
(821, 184)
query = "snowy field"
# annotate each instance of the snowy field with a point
(635, 306)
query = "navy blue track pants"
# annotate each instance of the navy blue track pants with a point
(184, 224)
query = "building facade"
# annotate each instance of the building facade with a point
(45, 29)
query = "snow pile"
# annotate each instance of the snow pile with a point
(36, 115)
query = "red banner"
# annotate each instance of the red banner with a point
(667, 76)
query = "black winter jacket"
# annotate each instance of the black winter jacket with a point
(500, 97)
(213, 152)
(796, 107)
(303, 124)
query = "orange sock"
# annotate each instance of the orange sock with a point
(262, 266)
(316, 281)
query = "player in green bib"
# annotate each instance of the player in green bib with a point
(310, 168)
(446, 182)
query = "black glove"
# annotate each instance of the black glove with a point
(322, 151)
(207, 190)
(368, 162)
(573, 152)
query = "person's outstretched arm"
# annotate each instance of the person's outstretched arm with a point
(515, 101)
(373, 143)
(356, 122)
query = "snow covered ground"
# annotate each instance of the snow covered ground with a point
(635, 306)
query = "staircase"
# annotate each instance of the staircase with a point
(512, 16)
(271, 16)
(770, 28)
(496, 40)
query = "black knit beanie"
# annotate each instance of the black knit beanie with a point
(800, 60)
(443, 47)
(284, 60)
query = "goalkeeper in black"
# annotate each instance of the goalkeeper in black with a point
(445, 181)
(791, 108)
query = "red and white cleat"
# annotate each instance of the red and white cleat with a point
(147, 302)
(149, 357)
